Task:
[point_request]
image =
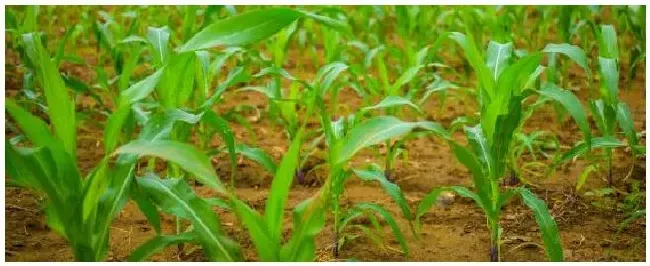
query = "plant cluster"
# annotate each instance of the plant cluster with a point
(162, 72)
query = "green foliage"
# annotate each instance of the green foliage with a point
(164, 80)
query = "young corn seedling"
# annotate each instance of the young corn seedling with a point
(502, 89)
(291, 106)
(609, 114)
(79, 209)
(343, 142)
(176, 197)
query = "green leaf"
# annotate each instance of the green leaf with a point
(481, 148)
(389, 219)
(94, 186)
(428, 201)
(243, 29)
(583, 148)
(267, 248)
(141, 89)
(475, 59)
(61, 109)
(548, 228)
(510, 84)
(147, 207)
(277, 199)
(258, 155)
(625, 121)
(222, 128)
(635, 215)
(338, 25)
(113, 127)
(33, 127)
(158, 243)
(608, 46)
(498, 55)
(175, 196)
(186, 156)
(177, 81)
(608, 80)
(583, 176)
(308, 221)
(326, 76)
(372, 132)
(392, 189)
(572, 51)
(480, 178)
(403, 79)
(159, 39)
(572, 104)
(391, 101)
(439, 85)
(237, 75)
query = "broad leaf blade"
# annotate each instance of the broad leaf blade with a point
(243, 29)
(572, 105)
(61, 108)
(391, 189)
(548, 228)
(498, 55)
(572, 51)
(157, 244)
(625, 121)
(278, 196)
(186, 156)
(397, 232)
(392, 101)
(175, 196)
(258, 155)
(372, 132)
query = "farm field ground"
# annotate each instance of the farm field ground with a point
(453, 231)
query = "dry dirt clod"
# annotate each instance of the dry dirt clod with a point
(445, 199)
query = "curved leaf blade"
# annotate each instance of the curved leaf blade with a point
(186, 156)
(257, 155)
(391, 189)
(157, 244)
(572, 104)
(243, 29)
(547, 226)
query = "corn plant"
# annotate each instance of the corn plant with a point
(79, 209)
(176, 197)
(502, 89)
(609, 114)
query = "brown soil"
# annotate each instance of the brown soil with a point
(455, 233)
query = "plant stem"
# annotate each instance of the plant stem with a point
(179, 229)
(610, 180)
(335, 250)
(495, 255)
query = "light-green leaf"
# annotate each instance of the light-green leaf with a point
(391, 101)
(548, 228)
(61, 109)
(572, 105)
(243, 29)
(186, 156)
(498, 55)
(175, 196)
(582, 148)
(258, 155)
(372, 132)
(274, 211)
(157, 244)
(391, 189)
(572, 51)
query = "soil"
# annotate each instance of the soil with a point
(456, 232)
